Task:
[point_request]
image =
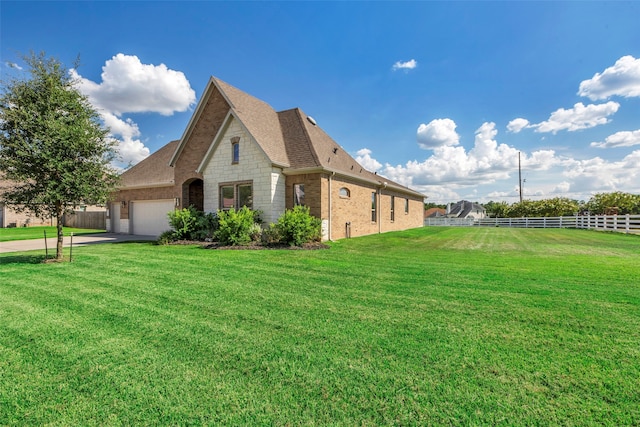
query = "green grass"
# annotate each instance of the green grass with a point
(453, 326)
(30, 233)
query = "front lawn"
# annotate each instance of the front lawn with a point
(433, 326)
(30, 233)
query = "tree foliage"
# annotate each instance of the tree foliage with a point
(53, 148)
(599, 204)
(624, 203)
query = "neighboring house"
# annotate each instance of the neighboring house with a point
(10, 218)
(466, 209)
(237, 151)
(435, 213)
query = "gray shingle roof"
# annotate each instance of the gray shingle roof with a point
(288, 138)
(152, 171)
(259, 119)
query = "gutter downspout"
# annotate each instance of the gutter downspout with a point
(330, 207)
(378, 210)
(379, 207)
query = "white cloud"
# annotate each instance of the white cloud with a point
(13, 65)
(125, 128)
(129, 86)
(130, 149)
(487, 162)
(516, 125)
(620, 139)
(363, 157)
(438, 133)
(577, 118)
(622, 79)
(562, 188)
(452, 172)
(487, 154)
(408, 65)
(597, 174)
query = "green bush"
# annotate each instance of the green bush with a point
(192, 224)
(297, 227)
(184, 222)
(166, 237)
(236, 227)
(271, 235)
(206, 226)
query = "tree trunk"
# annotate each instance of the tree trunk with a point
(60, 234)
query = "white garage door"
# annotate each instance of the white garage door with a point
(149, 217)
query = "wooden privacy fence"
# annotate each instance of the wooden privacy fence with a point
(78, 219)
(620, 223)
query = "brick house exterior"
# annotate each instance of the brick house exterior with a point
(237, 150)
(11, 218)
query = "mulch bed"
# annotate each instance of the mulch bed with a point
(253, 246)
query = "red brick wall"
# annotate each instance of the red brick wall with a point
(143, 194)
(198, 142)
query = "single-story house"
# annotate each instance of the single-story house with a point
(10, 218)
(435, 213)
(238, 151)
(466, 209)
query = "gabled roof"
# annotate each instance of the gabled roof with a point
(256, 116)
(435, 212)
(290, 139)
(464, 207)
(310, 147)
(260, 120)
(154, 171)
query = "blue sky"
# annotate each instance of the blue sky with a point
(439, 96)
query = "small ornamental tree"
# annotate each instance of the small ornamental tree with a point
(53, 148)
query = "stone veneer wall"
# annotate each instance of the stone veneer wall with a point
(253, 166)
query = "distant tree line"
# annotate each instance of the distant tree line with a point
(600, 204)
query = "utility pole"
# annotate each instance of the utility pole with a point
(520, 176)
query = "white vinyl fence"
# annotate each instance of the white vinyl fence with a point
(620, 223)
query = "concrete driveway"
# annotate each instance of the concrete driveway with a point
(86, 239)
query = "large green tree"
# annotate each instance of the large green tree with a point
(621, 203)
(53, 147)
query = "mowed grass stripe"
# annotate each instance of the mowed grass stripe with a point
(429, 326)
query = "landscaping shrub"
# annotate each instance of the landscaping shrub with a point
(206, 227)
(184, 222)
(236, 227)
(271, 235)
(166, 237)
(192, 224)
(297, 227)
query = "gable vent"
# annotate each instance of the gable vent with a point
(312, 120)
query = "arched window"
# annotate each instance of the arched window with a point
(344, 192)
